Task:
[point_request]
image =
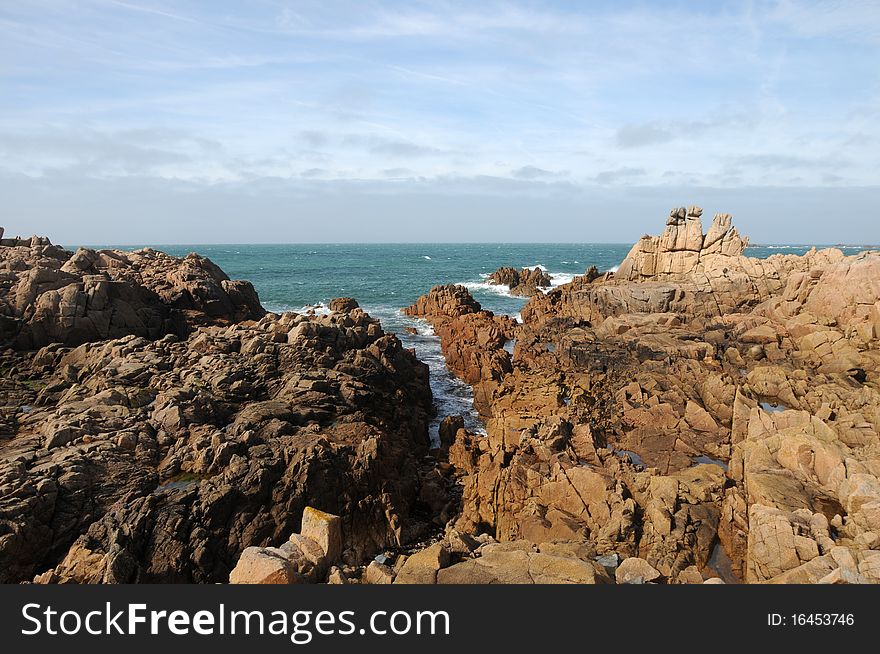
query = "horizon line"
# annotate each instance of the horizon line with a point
(430, 243)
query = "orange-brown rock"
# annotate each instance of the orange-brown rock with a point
(472, 340)
(709, 413)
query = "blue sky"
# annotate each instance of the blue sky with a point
(153, 121)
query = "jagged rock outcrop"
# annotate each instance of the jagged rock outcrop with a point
(684, 272)
(164, 460)
(472, 339)
(709, 413)
(683, 247)
(49, 295)
(449, 301)
(525, 282)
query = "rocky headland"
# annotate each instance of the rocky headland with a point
(698, 416)
(157, 421)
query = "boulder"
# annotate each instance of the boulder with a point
(378, 573)
(518, 563)
(263, 565)
(635, 570)
(324, 529)
(343, 304)
(423, 566)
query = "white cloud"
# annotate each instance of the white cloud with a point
(496, 96)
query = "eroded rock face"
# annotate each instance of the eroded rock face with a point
(683, 247)
(164, 460)
(472, 339)
(49, 295)
(708, 413)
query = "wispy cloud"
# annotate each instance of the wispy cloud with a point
(626, 173)
(511, 96)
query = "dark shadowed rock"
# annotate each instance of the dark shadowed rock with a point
(525, 282)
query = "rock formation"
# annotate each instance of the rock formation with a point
(683, 249)
(525, 282)
(167, 423)
(700, 411)
(472, 339)
(305, 558)
(49, 295)
(698, 416)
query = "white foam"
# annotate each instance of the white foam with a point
(422, 326)
(277, 308)
(452, 396)
(558, 279)
(497, 289)
(426, 257)
(614, 268)
(537, 266)
(319, 309)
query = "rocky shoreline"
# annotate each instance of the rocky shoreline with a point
(159, 456)
(697, 416)
(695, 400)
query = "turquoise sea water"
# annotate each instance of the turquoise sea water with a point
(386, 278)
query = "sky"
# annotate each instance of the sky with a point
(146, 121)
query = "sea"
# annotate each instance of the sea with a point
(384, 278)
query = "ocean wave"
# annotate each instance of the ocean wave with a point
(558, 279)
(274, 307)
(422, 326)
(614, 269)
(319, 309)
(486, 287)
(426, 257)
